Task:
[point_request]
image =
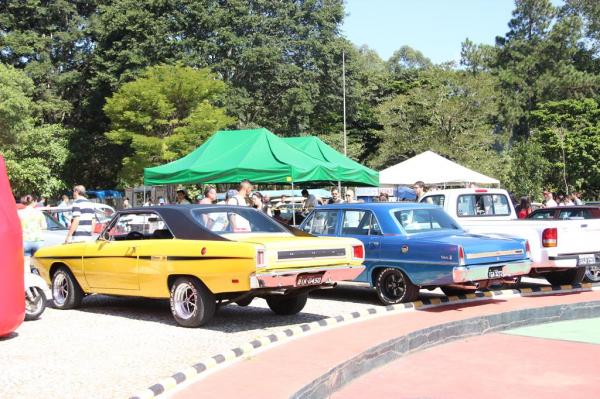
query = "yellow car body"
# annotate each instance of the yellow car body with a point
(130, 262)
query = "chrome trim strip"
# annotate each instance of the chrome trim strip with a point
(287, 278)
(492, 254)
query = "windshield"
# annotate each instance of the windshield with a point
(237, 220)
(424, 220)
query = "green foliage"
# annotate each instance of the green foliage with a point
(164, 115)
(526, 169)
(572, 126)
(449, 112)
(34, 152)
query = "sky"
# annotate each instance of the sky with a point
(435, 27)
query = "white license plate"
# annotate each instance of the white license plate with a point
(587, 259)
(309, 279)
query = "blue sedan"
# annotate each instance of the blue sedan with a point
(409, 246)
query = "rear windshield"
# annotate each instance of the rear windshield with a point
(236, 220)
(482, 205)
(423, 220)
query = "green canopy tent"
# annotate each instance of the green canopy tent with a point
(347, 169)
(231, 156)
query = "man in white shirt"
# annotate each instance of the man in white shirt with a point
(238, 223)
(310, 201)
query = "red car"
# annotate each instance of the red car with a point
(567, 212)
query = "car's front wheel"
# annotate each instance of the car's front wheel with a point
(592, 274)
(192, 304)
(567, 277)
(393, 286)
(287, 305)
(35, 303)
(66, 292)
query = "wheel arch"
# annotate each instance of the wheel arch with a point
(377, 269)
(171, 278)
(55, 266)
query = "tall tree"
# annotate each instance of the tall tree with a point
(163, 115)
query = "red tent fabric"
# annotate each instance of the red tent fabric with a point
(12, 290)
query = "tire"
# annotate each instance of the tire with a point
(287, 305)
(592, 274)
(393, 286)
(35, 306)
(245, 302)
(453, 291)
(192, 304)
(66, 292)
(567, 277)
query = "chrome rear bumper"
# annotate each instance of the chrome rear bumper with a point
(465, 274)
(288, 278)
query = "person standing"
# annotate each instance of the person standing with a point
(33, 222)
(237, 222)
(65, 202)
(335, 197)
(549, 199)
(524, 208)
(350, 196)
(419, 189)
(210, 195)
(83, 217)
(383, 197)
(182, 198)
(311, 201)
(126, 204)
(575, 197)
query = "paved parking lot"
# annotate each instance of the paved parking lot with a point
(113, 347)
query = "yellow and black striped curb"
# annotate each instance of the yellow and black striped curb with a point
(251, 347)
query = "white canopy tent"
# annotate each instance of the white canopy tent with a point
(431, 168)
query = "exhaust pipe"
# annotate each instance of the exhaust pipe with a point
(472, 285)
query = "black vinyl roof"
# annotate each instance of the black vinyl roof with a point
(180, 220)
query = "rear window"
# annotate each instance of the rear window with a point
(435, 200)
(423, 220)
(549, 214)
(321, 223)
(469, 205)
(236, 220)
(575, 214)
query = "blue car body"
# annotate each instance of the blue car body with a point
(428, 246)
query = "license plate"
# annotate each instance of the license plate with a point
(586, 260)
(495, 272)
(309, 279)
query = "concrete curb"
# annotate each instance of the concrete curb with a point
(246, 350)
(330, 382)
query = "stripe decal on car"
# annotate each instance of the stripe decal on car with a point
(311, 253)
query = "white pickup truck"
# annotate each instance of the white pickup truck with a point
(560, 249)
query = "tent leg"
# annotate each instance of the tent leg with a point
(293, 206)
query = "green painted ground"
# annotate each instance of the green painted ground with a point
(585, 330)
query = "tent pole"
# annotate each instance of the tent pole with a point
(144, 188)
(293, 205)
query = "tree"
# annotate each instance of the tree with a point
(526, 169)
(569, 133)
(35, 152)
(449, 112)
(163, 115)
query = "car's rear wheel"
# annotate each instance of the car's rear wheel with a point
(454, 291)
(567, 277)
(286, 305)
(393, 286)
(35, 303)
(592, 274)
(66, 292)
(192, 304)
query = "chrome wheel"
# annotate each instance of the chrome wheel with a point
(185, 300)
(35, 303)
(592, 273)
(60, 288)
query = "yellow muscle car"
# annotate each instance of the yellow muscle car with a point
(199, 256)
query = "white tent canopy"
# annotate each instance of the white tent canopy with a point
(431, 168)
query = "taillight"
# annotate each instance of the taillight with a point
(461, 256)
(260, 258)
(527, 249)
(358, 252)
(550, 237)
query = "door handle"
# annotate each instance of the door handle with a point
(373, 244)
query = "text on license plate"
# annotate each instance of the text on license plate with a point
(309, 279)
(584, 260)
(495, 272)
